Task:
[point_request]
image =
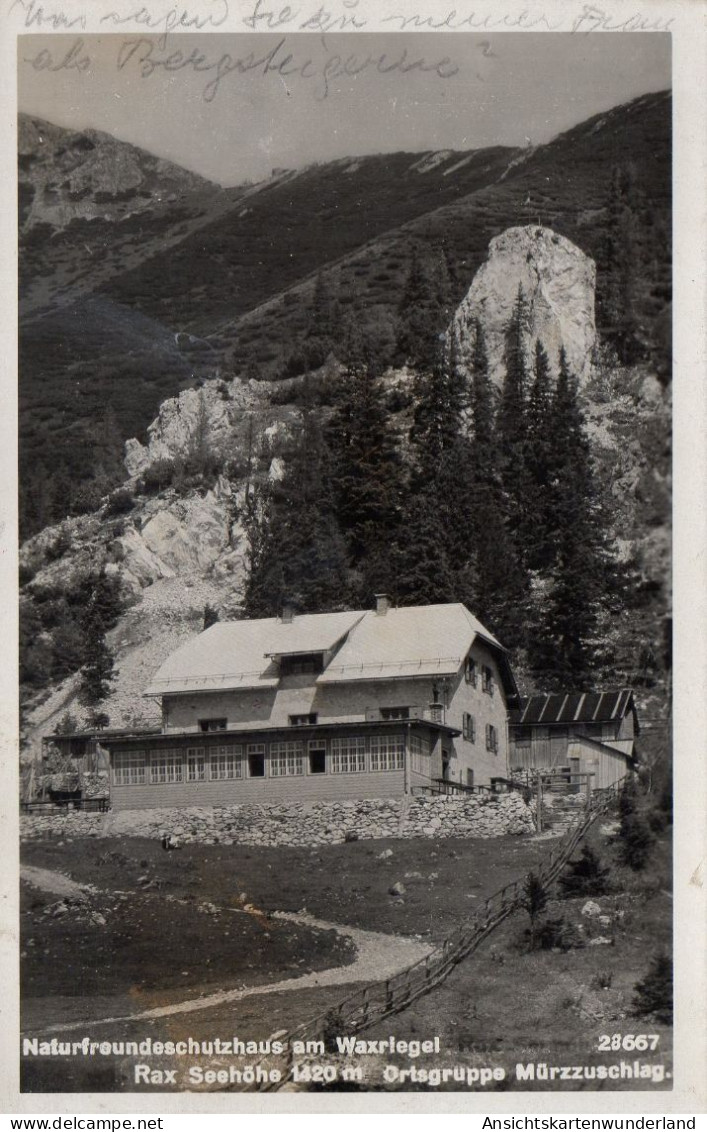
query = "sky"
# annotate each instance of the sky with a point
(234, 107)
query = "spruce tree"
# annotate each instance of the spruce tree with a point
(296, 553)
(423, 572)
(654, 993)
(564, 649)
(619, 282)
(437, 424)
(421, 312)
(367, 478)
(511, 422)
(97, 672)
(535, 530)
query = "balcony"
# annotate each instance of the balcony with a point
(433, 713)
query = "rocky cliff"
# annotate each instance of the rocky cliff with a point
(558, 284)
(182, 546)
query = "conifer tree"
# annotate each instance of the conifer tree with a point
(536, 533)
(482, 401)
(492, 583)
(367, 474)
(437, 423)
(623, 266)
(511, 424)
(423, 573)
(97, 673)
(565, 641)
(421, 312)
(296, 552)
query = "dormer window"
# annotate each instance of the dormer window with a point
(213, 724)
(303, 720)
(300, 664)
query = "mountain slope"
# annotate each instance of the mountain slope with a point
(236, 269)
(566, 185)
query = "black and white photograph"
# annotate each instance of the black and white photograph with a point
(345, 529)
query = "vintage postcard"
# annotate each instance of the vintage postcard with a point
(359, 514)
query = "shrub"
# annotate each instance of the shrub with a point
(654, 993)
(158, 476)
(635, 841)
(26, 573)
(210, 616)
(85, 499)
(58, 548)
(534, 901)
(584, 877)
(628, 798)
(67, 725)
(98, 720)
(120, 502)
(602, 980)
(558, 933)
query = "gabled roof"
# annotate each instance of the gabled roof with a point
(547, 708)
(422, 640)
(238, 654)
(413, 640)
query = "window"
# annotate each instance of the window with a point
(166, 766)
(302, 720)
(196, 764)
(213, 724)
(317, 756)
(304, 663)
(470, 671)
(395, 712)
(491, 738)
(387, 752)
(256, 760)
(129, 768)
(470, 778)
(348, 755)
(226, 762)
(286, 760)
(487, 680)
(522, 736)
(469, 727)
(419, 754)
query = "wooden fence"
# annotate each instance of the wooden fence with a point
(370, 1004)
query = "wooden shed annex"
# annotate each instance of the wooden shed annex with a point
(578, 733)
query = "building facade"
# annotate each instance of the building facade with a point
(358, 704)
(575, 733)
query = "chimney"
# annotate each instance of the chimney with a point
(288, 614)
(382, 604)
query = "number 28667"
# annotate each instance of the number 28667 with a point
(627, 1042)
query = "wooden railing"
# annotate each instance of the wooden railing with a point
(374, 1002)
(88, 805)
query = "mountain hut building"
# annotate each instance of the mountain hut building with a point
(356, 704)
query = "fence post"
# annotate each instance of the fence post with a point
(388, 995)
(365, 1006)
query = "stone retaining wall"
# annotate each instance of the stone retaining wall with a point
(318, 824)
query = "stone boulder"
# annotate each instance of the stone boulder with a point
(558, 282)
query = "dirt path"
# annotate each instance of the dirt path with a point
(55, 883)
(378, 956)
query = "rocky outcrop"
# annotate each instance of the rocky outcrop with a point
(221, 419)
(558, 282)
(320, 824)
(67, 175)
